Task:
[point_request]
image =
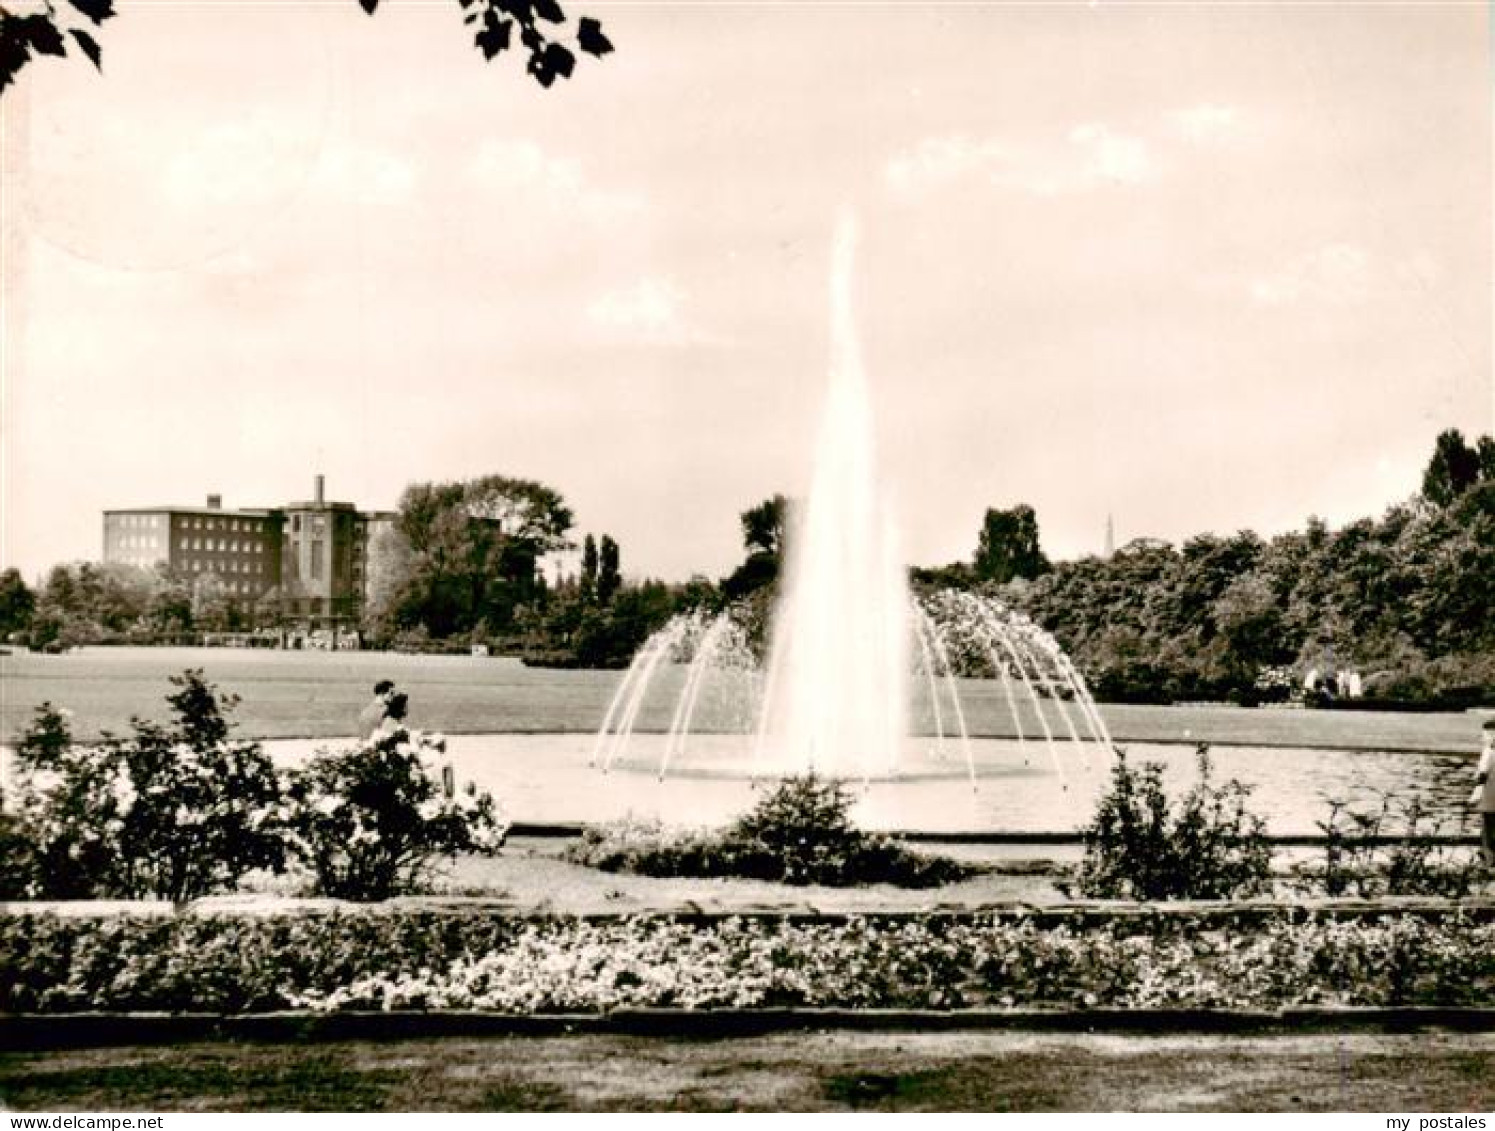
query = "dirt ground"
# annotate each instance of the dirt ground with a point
(530, 876)
(531, 873)
(1433, 1071)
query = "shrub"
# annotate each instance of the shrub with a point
(1357, 860)
(1209, 847)
(800, 833)
(371, 821)
(173, 812)
(17, 868)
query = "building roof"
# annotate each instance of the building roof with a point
(240, 512)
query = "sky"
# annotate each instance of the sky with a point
(1197, 267)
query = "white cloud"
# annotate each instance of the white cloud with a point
(236, 163)
(939, 160)
(519, 164)
(648, 311)
(1091, 156)
(1338, 273)
(1206, 123)
(1109, 156)
(256, 164)
(367, 176)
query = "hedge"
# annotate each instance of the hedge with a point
(487, 960)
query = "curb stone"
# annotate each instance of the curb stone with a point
(45, 1032)
(1201, 913)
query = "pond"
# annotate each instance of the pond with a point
(546, 778)
(526, 734)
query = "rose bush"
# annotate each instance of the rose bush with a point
(373, 820)
(171, 812)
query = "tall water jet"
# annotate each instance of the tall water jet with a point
(850, 648)
(837, 679)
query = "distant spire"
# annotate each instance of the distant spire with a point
(1110, 536)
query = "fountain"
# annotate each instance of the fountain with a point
(853, 657)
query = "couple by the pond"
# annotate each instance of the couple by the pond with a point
(383, 713)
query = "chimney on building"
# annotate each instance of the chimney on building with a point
(215, 502)
(317, 497)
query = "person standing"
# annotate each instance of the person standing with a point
(370, 718)
(1483, 797)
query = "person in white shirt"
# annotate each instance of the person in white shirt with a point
(1483, 797)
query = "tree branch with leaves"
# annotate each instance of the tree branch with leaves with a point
(538, 27)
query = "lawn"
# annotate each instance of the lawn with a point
(988, 1071)
(318, 695)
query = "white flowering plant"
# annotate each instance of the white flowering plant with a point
(372, 821)
(170, 812)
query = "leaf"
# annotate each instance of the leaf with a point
(560, 60)
(532, 39)
(521, 10)
(549, 10)
(43, 35)
(543, 74)
(368, 5)
(495, 35)
(89, 45)
(13, 54)
(96, 10)
(590, 39)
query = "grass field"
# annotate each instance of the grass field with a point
(318, 695)
(810, 1071)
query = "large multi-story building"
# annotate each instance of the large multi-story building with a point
(305, 562)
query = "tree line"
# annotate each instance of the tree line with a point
(1405, 599)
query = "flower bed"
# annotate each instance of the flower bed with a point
(480, 960)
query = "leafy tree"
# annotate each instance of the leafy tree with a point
(1486, 450)
(956, 575)
(609, 579)
(495, 25)
(389, 569)
(763, 526)
(17, 603)
(213, 606)
(474, 546)
(85, 602)
(588, 570)
(1453, 469)
(1008, 546)
(763, 537)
